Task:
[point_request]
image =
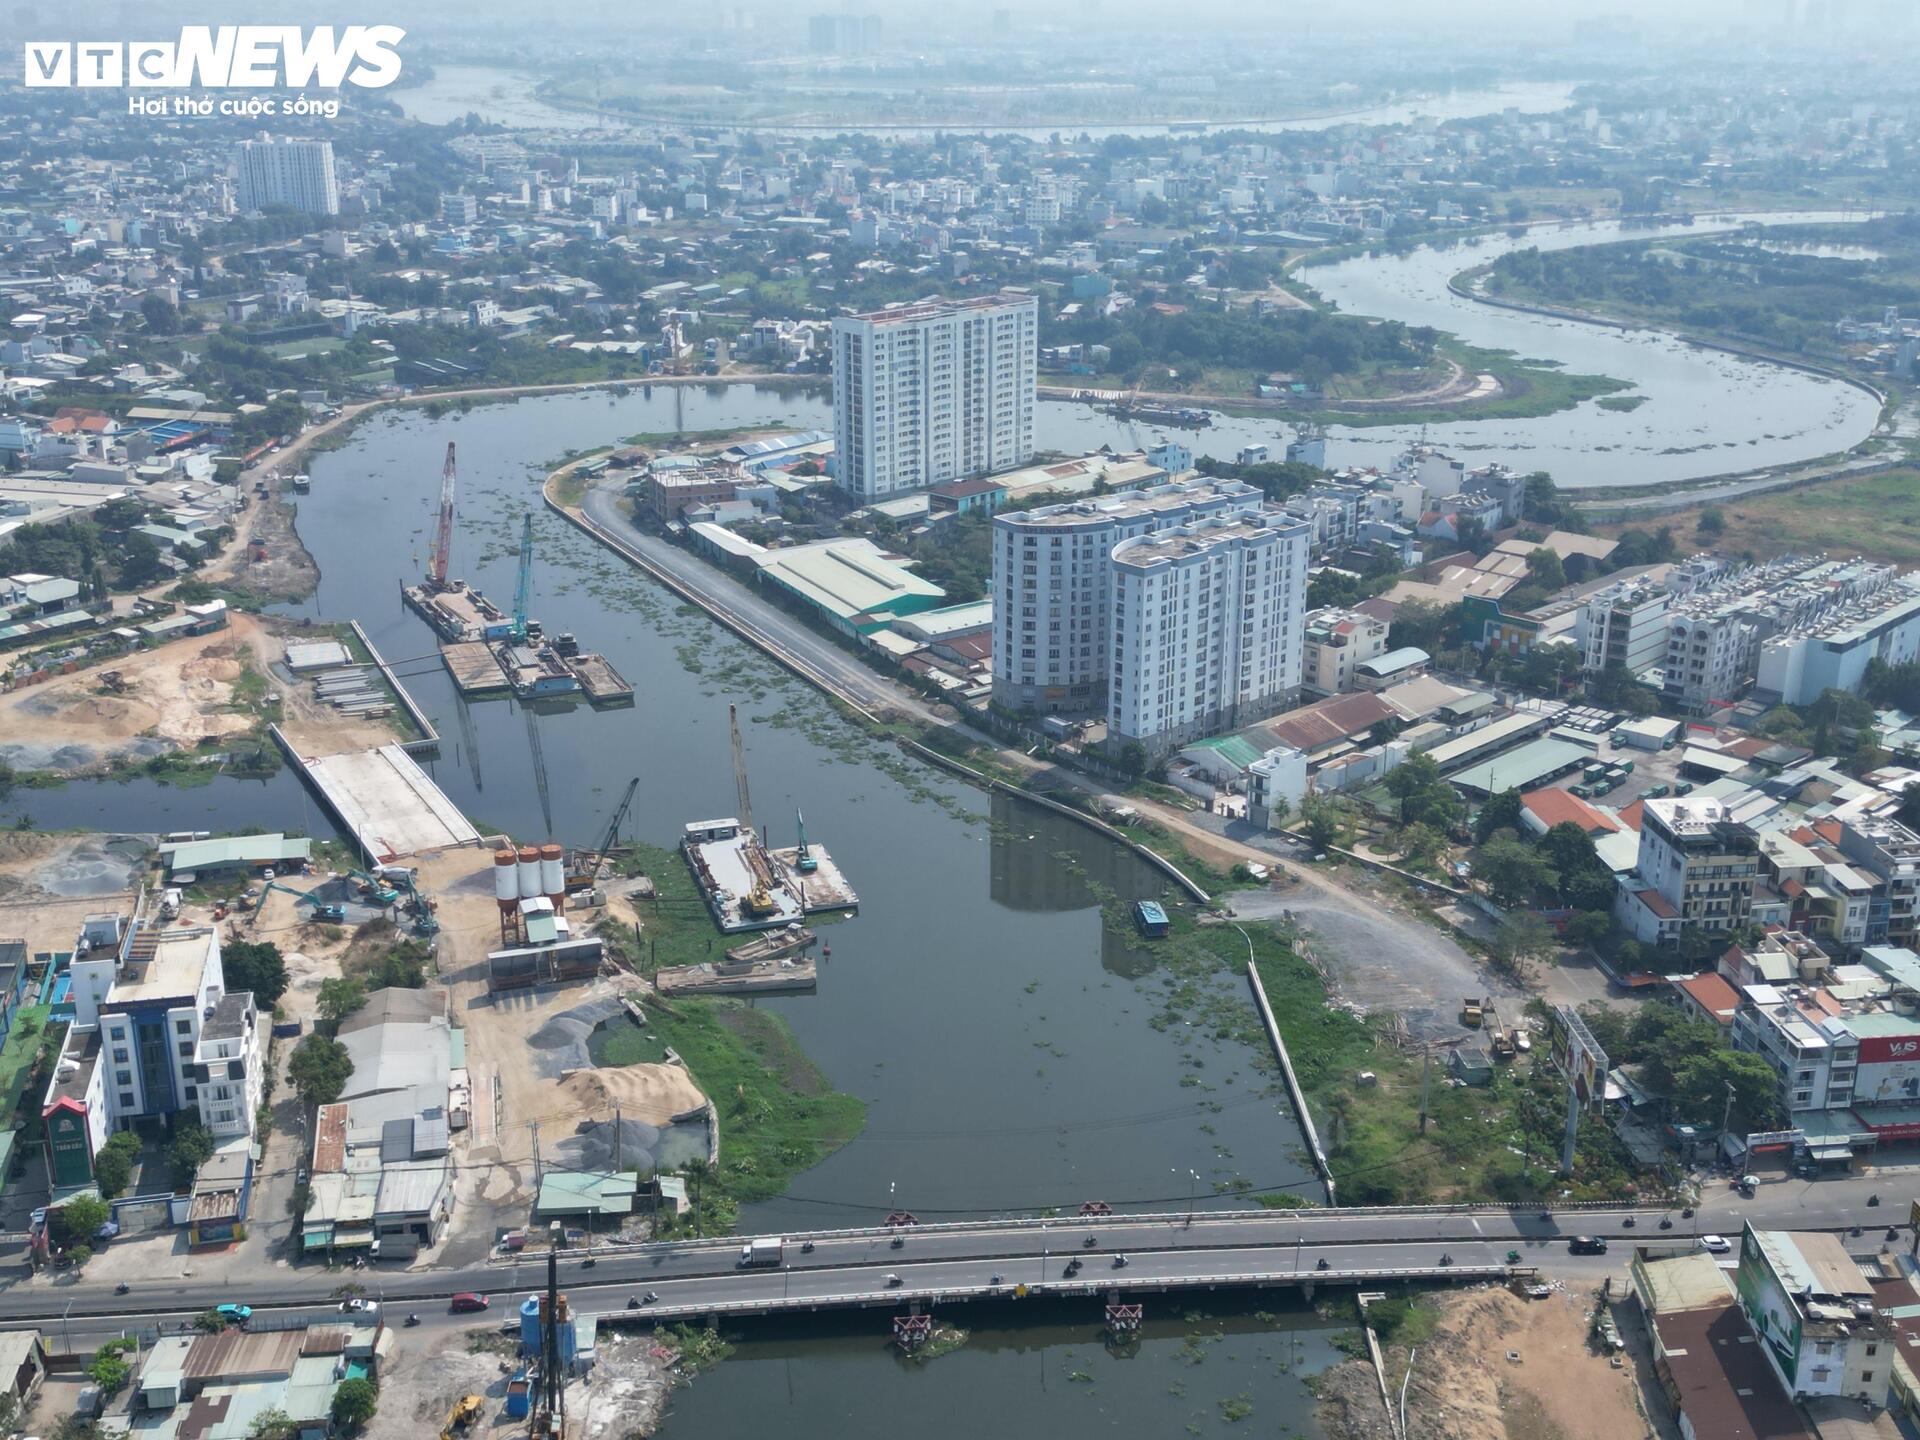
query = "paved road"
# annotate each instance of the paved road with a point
(1166, 1247)
(768, 624)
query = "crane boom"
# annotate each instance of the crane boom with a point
(740, 771)
(523, 586)
(612, 837)
(443, 532)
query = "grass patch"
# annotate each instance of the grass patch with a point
(778, 1115)
(1877, 516)
(1625, 404)
(675, 927)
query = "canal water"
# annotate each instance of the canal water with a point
(1041, 1372)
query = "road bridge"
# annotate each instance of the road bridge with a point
(982, 1258)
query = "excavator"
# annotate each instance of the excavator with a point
(460, 1419)
(325, 912)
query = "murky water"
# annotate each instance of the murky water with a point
(1029, 1369)
(977, 1002)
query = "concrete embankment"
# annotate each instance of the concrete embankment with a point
(1272, 1028)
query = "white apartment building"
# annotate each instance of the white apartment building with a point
(1709, 657)
(1834, 652)
(1207, 624)
(1696, 869)
(294, 173)
(1623, 626)
(170, 1037)
(932, 392)
(1815, 1054)
(1053, 587)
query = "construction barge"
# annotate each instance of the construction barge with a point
(735, 977)
(457, 614)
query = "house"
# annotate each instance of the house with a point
(1813, 1312)
(23, 1364)
(1541, 810)
(216, 1386)
(1710, 998)
(978, 496)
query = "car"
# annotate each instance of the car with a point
(1715, 1244)
(466, 1301)
(234, 1314)
(355, 1304)
(1586, 1245)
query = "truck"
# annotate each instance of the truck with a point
(762, 1250)
(1470, 1011)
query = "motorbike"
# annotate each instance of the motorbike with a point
(649, 1297)
(1687, 1214)
(1628, 1222)
(1446, 1259)
(1666, 1222)
(1119, 1262)
(412, 1320)
(1872, 1200)
(122, 1288)
(633, 1303)
(807, 1248)
(995, 1279)
(1513, 1257)
(1321, 1263)
(898, 1241)
(588, 1263)
(1089, 1242)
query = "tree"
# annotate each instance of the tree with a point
(273, 1425)
(76, 1221)
(1420, 844)
(1501, 812)
(113, 1166)
(319, 1069)
(1323, 818)
(1545, 570)
(1513, 870)
(255, 965)
(1522, 938)
(339, 998)
(1700, 1084)
(109, 1369)
(161, 317)
(191, 1147)
(1133, 759)
(354, 1403)
(1588, 927)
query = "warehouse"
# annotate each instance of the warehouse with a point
(854, 585)
(1532, 764)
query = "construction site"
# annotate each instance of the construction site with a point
(748, 886)
(487, 650)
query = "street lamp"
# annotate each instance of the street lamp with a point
(1193, 1189)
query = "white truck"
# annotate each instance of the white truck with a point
(763, 1250)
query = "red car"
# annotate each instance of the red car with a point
(466, 1300)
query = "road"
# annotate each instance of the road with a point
(785, 636)
(1262, 1246)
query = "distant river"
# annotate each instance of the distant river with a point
(506, 97)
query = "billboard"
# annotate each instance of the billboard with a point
(1578, 1055)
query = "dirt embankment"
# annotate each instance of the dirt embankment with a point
(1496, 1367)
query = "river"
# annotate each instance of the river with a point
(507, 97)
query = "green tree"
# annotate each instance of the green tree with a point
(1588, 927)
(1545, 570)
(1501, 812)
(1133, 759)
(161, 318)
(1522, 939)
(319, 1069)
(109, 1369)
(1323, 818)
(113, 1166)
(1513, 870)
(1713, 521)
(273, 1425)
(255, 965)
(339, 998)
(354, 1403)
(1700, 1084)
(190, 1148)
(75, 1222)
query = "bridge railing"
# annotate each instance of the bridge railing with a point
(1124, 1218)
(1139, 1283)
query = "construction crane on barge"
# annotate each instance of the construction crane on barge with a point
(523, 585)
(443, 532)
(759, 900)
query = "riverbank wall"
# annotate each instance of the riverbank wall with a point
(1272, 1027)
(428, 742)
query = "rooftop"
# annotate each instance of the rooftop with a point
(1724, 1385)
(1153, 500)
(174, 972)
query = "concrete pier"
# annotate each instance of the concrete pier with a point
(474, 669)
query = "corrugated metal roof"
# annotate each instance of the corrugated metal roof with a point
(236, 850)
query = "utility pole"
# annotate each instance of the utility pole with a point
(616, 1137)
(1426, 1070)
(1726, 1111)
(534, 1126)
